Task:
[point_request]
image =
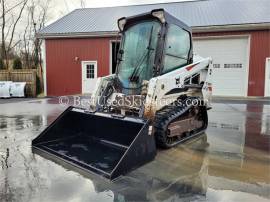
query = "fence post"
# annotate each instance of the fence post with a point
(9, 75)
(34, 80)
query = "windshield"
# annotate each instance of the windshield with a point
(139, 47)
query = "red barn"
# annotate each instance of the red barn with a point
(80, 46)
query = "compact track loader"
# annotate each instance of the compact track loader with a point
(158, 96)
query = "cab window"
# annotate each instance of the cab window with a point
(176, 49)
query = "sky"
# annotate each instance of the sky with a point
(62, 7)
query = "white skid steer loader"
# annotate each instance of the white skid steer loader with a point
(159, 96)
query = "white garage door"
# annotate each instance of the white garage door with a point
(230, 61)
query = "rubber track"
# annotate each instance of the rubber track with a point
(164, 117)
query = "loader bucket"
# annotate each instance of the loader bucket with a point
(99, 142)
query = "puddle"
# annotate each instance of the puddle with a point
(229, 163)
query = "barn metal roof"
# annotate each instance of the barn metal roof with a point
(197, 14)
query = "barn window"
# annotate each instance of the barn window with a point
(233, 65)
(90, 71)
(216, 65)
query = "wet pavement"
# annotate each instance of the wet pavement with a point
(230, 162)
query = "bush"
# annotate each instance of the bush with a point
(17, 63)
(2, 66)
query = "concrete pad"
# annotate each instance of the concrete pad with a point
(230, 162)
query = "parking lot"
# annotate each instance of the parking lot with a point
(230, 162)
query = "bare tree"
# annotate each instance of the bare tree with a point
(26, 42)
(37, 15)
(10, 20)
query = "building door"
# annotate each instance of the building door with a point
(230, 62)
(89, 76)
(114, 50)
(267, 78)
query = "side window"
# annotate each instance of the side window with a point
(176, 49)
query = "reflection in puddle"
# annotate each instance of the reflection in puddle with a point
(177, 173)
(231, 164)
(224, 126)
